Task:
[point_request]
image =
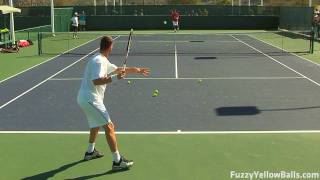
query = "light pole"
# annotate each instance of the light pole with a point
(52, 18)
(12, 33)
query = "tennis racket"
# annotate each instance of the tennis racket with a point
(128, 49)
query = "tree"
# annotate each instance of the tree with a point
(223, 2)
(185, 1)
(64, 2)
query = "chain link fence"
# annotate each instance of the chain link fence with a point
(28, 3)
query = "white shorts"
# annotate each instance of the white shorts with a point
(96, 113)
(175, 23)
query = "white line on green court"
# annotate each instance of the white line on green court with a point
(46, 61)
(282, 49)
(42, 82)
(282, 64)
(213, 78)
(167, 132)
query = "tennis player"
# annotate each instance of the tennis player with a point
(99, 73)
(175, 16)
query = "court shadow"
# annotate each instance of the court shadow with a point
(52, 173)
(205, 58)
(237, 111)
(253, 110)
(92, 176)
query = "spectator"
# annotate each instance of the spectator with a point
(205, 12)
(75, 25)
(193, 13)
(316, 22)
(82, 21)
(141, 12)
(135, 12)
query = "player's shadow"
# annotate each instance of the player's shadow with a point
(52, 173)
(92, 176)
(253, 110)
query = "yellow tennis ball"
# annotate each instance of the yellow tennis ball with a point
(129, 82)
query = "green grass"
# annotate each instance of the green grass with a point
(13, 63)
(158, 156)
(296, 45)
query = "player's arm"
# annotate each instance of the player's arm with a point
(98, 75)
(109, 79)
(133, 70)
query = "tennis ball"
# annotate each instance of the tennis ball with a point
(156, 91)
(199, 80)
(164, 22)
(155, 94)
(129, 82)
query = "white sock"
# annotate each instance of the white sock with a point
(90, 147)
(116, 156)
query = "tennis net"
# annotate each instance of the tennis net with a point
(220, 43)
(32, 33)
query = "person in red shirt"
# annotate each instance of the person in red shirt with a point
(175, 16)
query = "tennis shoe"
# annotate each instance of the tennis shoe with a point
(123, 164)
(93, 155)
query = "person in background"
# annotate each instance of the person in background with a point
(135, 12)
(75, 25)
(205, 12)
(175, 17)
(82, 21)
(316, 23)
(141, 12)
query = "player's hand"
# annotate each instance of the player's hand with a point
(144, 71)
(121, 74)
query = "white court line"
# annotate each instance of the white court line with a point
(176, 60)
(283, 50)
(46, 61)
(214, 78)
(311, 80)
(167, 132)
(155, 41)
(42, 82)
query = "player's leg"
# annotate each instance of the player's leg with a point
(111, 138)
(119, 162)
(174, 26)
(74, 31)
(95, 120)
(92, 153)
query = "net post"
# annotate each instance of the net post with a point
(312, 39)
(39, 43)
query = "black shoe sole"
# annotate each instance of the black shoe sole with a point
(96, 157)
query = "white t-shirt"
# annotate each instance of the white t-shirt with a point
(75, 21)
(99, 66)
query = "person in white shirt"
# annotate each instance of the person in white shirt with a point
(75, 25)
(99, 73)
